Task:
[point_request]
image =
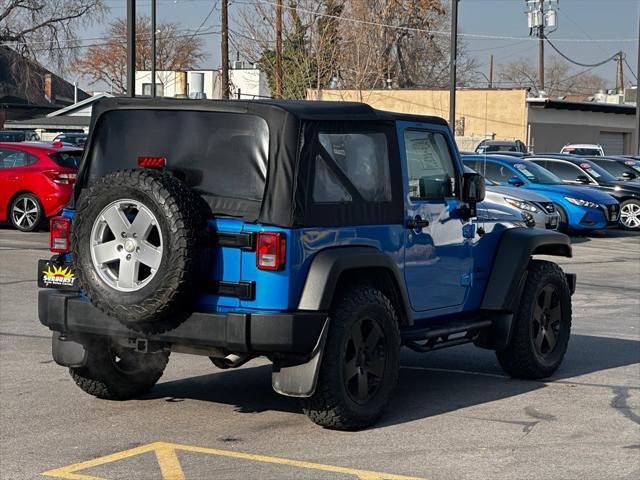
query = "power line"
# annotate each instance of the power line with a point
(568, 59)
(424, 30)
(624, 59)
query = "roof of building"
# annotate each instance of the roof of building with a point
(599, 107)
(68, 110)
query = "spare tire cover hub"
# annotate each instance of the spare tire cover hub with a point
(126, 245)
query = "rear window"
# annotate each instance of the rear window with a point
(67, 159)
(220, 154)
(583, 152)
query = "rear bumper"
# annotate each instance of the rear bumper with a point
(288, 332)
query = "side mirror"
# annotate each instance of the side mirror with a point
(582, 179)
(515, 181)
(629, 175)
(473, 188)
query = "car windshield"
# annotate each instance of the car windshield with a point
(67, 159)
(499, 148)
(597, 172)
(536, 174)
(582, 151)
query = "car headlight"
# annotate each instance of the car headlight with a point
(582, 203)
(521, 204)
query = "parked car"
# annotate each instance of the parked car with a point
(321, 235)
(35, 182)
(18, 135)
(541, 212)
(580, 208)
(583, 149)
(575, 170)
(495, 146)
(622, 167)
(75, 139)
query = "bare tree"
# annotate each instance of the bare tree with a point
(107, 62)
(46, 28)
(560, 79)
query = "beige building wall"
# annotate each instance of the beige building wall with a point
(480, 113)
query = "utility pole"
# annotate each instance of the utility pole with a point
(620, 73)
(539, 19)
(491, 72)
(153, 48)
(131, 48)
(224, 45)
(541, 47)
(278, 82)
(453, 65)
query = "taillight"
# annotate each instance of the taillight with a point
(152, 162)
(62, 178)
(270, 251)
(60, 235)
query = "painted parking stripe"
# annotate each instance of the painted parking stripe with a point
(170, 468)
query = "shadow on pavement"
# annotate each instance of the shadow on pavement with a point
(424, 390)
(577, 238)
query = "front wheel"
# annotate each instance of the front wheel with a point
(26, 213)
(117, 373)
(360, 364)
(630, 215)
(542, 324)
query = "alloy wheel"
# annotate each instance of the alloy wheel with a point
(126, 245)
(25, 213)
(547, 318)
(630, 215)
(365, 360)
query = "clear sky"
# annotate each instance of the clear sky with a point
(580, 20)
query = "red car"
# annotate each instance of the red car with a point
(36, 181)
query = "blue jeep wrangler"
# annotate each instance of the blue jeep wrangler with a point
(323, 236)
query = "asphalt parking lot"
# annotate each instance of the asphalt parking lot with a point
(454, 416)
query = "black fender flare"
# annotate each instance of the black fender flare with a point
(514, 251)
(327, 266)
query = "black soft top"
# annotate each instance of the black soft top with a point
(169, 127)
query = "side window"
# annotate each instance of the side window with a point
(326, 187)
(13, 158)
(494, 171)
(429, 165)
(364, 160)
(566, 171)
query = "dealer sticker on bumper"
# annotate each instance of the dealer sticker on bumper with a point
(56, 275)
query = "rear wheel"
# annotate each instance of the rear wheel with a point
(542, 324)
(630, 214)
(117, 373)
(360, 364)
(26, 213)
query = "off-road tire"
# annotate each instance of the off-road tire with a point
(101, 377)
(331, 405)
(167, 300)
(32, 199)
(521, 358)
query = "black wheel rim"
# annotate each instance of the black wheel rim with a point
(547, 320)
(365, 360)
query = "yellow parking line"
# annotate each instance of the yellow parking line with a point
(171, 470)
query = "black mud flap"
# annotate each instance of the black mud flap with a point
(68, 353)
(299, 380)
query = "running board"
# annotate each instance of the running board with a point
(437, 337)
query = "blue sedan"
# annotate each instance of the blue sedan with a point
(580, 208)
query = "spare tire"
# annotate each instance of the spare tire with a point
(137, 244)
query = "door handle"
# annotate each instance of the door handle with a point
(417, 223)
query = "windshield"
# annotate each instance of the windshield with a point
(583, 152)
(536, 174)
(67, 159)
(597, 172)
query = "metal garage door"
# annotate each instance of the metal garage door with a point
(612, 143)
